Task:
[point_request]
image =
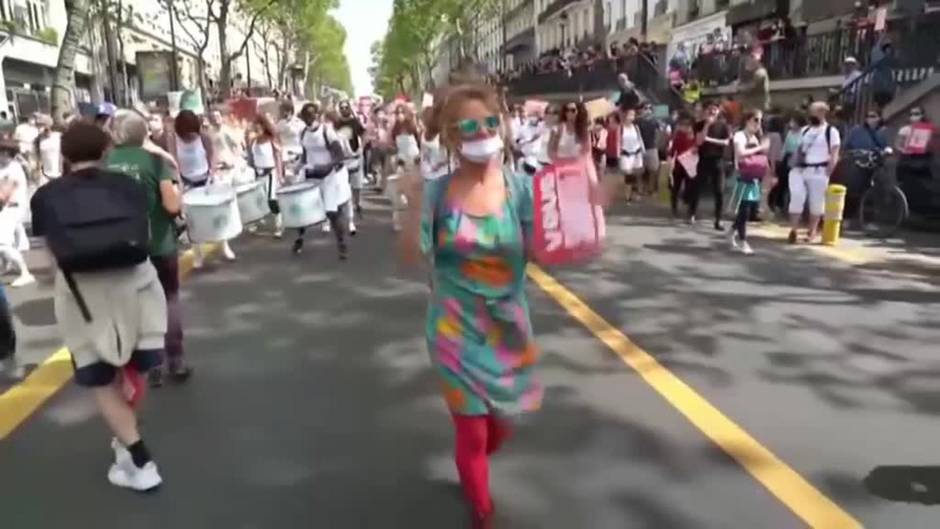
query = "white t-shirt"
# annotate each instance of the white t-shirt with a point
(25, 134)
(262, 154)
(50, 155)
(568, 144)
(193, 159)
(631, 141)
(528, 138)
(289, 130)
(13, 173)
(316, 146)
(434, 159)
(407, 146)
(814, 146)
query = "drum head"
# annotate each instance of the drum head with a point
(208, 196)
(297, 188)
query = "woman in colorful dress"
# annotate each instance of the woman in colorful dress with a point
(474, 225)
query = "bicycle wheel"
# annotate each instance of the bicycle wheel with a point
(882, 211)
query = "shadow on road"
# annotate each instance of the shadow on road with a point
(908, 484)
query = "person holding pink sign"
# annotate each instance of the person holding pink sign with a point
(474, 224)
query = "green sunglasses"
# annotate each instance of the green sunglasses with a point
(472, 127)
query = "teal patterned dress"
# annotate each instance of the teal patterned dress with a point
(478, 329)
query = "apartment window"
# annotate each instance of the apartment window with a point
(661, 6)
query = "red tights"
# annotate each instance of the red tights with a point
(478, 436)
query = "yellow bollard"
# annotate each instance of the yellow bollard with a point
(662, 181)
(835, 205)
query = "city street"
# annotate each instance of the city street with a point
(688, 388)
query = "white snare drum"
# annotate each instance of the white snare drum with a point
(301, 205)
(212, 214)
(252, 202)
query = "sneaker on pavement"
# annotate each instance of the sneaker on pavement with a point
(298, 247)
(326, 227)
(352, 228)
(791, 238)
(121, 456)
(143, 479)
(198, 260)
(228, 253)
(23, 280)
(746, 248)
(734, 241)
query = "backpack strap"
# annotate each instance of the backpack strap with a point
(79, 298)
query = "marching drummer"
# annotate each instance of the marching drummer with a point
(264, 155)
(193, 149)
(322, 160)
(352, 131)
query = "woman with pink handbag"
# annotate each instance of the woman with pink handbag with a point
(750, 154)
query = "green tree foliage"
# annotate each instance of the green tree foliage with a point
(404, 60)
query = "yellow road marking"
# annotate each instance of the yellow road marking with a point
(794, 491)
(23, 399)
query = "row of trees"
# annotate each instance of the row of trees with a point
(285, 33)
(403, 61)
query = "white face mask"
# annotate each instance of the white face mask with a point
(481, 151)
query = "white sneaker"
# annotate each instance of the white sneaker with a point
(352, 228)
(326, 227)
(746, 248)
(23, 280)
(278, 227)
(139, 479)
(734, 241)
(121, 456)
(227, 252)
(253, 229)
(198, 260)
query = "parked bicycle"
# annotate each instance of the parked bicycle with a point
(883, 206)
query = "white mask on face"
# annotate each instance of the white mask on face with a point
(481, 151)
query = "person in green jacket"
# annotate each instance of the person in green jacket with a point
(158, 176)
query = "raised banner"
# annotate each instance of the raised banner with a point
(568, 223)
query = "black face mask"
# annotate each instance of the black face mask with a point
(814, 121)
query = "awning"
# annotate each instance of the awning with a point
(757, 10)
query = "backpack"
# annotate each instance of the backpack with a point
(93, 224)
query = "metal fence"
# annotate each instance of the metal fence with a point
(600, 77)
(916, 42)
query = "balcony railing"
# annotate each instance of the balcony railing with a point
(916, 41)
(599, 77)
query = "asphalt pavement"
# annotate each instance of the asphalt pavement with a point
(313, 404)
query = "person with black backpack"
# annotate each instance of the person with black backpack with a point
(109, 306)
(159, 179)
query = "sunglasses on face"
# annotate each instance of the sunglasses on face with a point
(472, 127)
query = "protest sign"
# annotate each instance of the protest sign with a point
(568, 223)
